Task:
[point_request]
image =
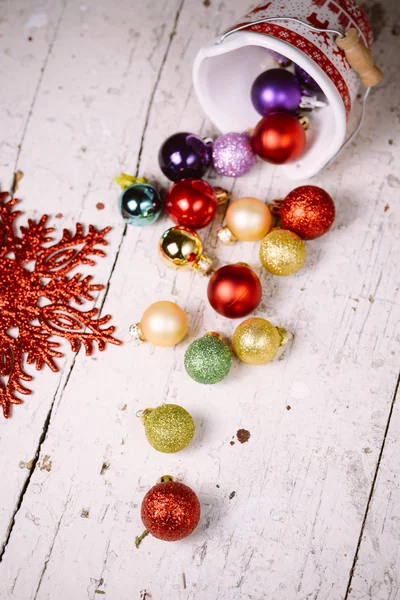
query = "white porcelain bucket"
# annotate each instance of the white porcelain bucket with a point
(223, 72)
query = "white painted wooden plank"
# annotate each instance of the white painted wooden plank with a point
(27, 36)
(303, 479)
(74, 144)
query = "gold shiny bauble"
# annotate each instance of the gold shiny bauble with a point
(249, 219)
(282, 252)
(256, 341)
(163, 324)
(182, 248)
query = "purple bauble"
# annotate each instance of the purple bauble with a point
(233, 155)
(184, 155)
(276, 90)
(306, 80)
(282, 61)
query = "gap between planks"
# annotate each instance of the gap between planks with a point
(371, 493)
(39, 83)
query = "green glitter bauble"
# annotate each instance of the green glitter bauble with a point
(169, 428)
(208, 360)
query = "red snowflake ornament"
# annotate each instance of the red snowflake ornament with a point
(22, 286)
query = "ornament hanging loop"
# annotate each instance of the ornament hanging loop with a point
(142, 414)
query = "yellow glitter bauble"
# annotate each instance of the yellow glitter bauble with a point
(256, 341)
(282, 252)
(169, 427)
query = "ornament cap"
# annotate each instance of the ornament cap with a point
(222, 195)
(214, 334)
(136, 333)
(304, 121)
(226, 236)
(244, 264)
(203, 265)
(165, 479)
(125, 180)
(275, 206)
(286, 336)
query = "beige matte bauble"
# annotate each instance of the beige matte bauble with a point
(247, 220)
(162, 324)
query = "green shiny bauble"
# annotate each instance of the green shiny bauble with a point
(140, 204)
(208, 359)
(169, 428)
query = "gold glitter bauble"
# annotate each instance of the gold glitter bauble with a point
(282, 252)
(182, 248)
(169, 428)
(256, 341)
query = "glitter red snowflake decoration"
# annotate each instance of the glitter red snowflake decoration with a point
(22, 287)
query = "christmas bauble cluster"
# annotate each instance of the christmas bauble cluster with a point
(171, 510)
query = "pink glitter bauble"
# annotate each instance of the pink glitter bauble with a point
(233, 155)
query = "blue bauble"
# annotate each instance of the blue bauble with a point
(140, 204)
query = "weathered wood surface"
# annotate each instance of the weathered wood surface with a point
(288, 515)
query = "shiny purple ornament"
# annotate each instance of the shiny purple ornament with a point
(276, 90)
(233, 155)
(306, 80)
(282, 61)
(184, 155)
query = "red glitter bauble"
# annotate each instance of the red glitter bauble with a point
(191, 202)
(170, 511)
(308, 211)
(278, 138)
(234, 291)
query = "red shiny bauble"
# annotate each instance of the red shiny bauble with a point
(170, 511)
(278, 138)
(191, 202)
(234, 291)
(308, 211)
